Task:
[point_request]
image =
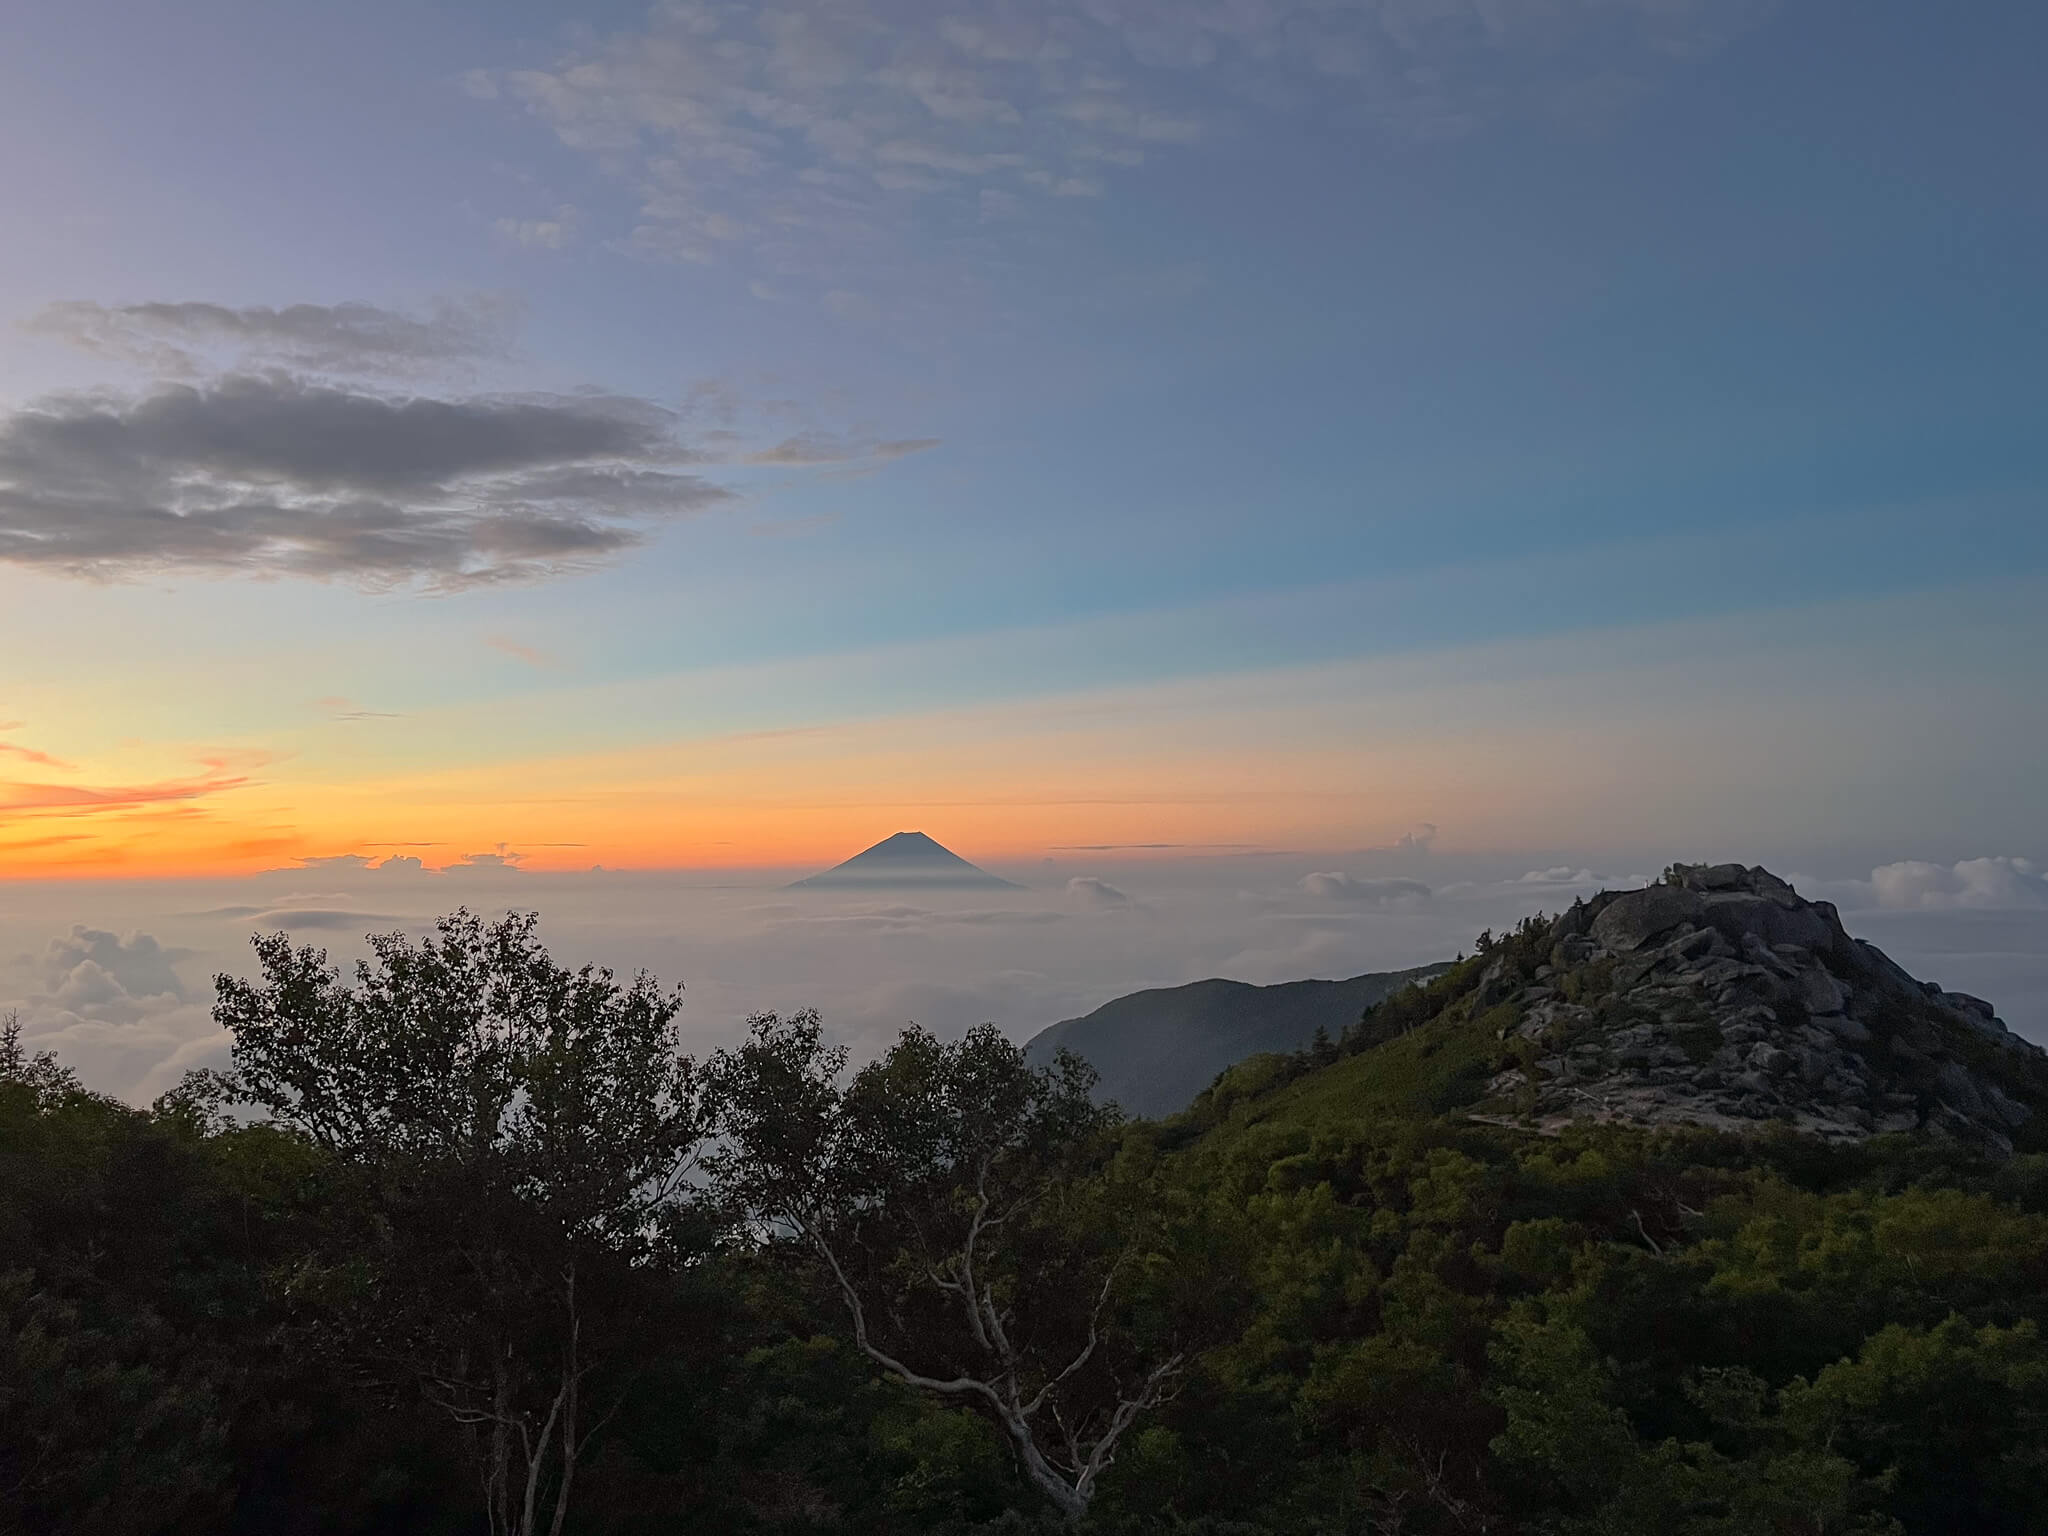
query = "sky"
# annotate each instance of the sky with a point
(615, 459)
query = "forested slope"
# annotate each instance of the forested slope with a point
(1155, 1050)
(1393, 1288)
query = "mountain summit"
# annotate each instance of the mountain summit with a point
(906, 861)
(1718, 997)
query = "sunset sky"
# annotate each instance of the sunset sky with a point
(724, 434)
(1548, 434)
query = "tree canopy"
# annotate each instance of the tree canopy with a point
(464, 1225)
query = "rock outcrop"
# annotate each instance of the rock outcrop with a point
(1720, 997)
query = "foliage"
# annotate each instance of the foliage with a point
(516, 1137)
(1436, 1324)
(945, 1191)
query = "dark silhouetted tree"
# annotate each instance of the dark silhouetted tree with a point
(519, 1137)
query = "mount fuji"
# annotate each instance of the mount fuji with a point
(906, 861)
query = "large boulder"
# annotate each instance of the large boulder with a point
(1741, 899)
(1736, 914)
(1632, 921)
(1748, 880)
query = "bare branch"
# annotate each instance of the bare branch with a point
(1094, 1336)
(1150, 1395)
(959, 1386)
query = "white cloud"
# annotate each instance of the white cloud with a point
(1091, 892)
(114, 1008)
(1333, 885)
(1988, 883)
(502, 862)
(1581, 878)
(358, 863)
(92, 963)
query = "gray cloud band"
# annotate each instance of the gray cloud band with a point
(273, 474)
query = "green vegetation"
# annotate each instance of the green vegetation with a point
(1327, 1300)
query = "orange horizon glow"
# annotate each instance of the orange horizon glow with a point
(1599, 744)
(708, 837)
(1256, 765)
(754, 802)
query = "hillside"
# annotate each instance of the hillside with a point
(1680, 1212)
(1157, 1049)
(1717, 998)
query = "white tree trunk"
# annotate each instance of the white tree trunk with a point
(1070, 1487)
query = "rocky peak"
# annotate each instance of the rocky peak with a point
(1719, 996)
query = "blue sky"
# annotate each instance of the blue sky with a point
(1027, 350)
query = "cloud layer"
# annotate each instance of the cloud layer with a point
(1988, 883)
(803, 136)
(116, 1009)
(274, 474)
(109, 997)
(1334, 885)
(1091, 892)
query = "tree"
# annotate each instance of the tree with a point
(518, 1138)
(110, 1418)
(942, 1192)
(40, 1079)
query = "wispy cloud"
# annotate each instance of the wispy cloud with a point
(809, 140)
(553, 233)
(190, 338)
(337, 708)
(817, 448)
(519, 651)
(1152, 847)
(78, 799)
(31, 755)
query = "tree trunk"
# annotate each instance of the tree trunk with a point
(1071, 1502)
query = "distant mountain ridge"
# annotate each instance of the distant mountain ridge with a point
(1157, 1049)
(905, 861)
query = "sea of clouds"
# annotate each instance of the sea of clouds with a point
(117, 977)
